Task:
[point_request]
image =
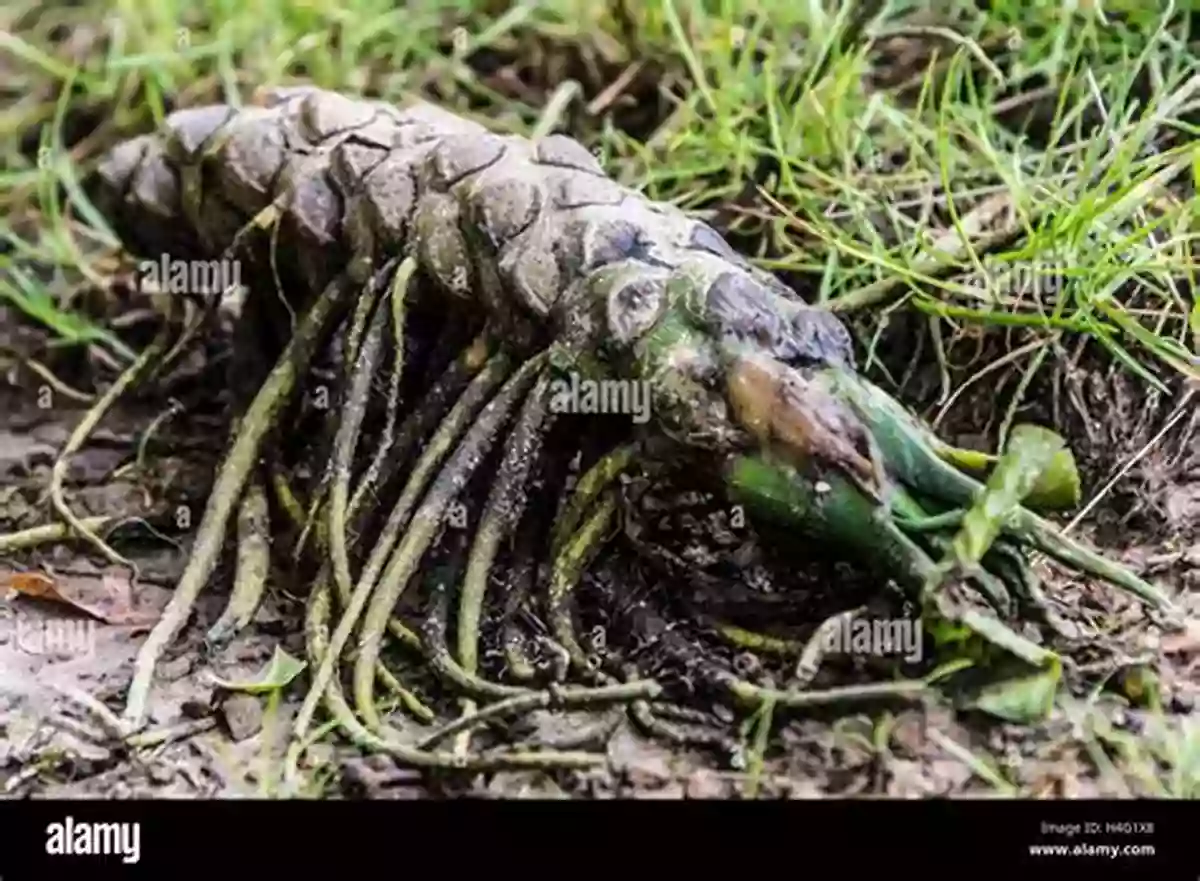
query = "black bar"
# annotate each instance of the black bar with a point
(815, 839)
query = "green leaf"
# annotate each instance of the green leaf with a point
(1030, 451)
(1023, 700)
(1002, 636)
(278, 673)
(968, 633)
(1057, 488)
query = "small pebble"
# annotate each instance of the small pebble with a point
(243, 716)
(196, 709)
(379, 763)
(705, 784)
(176, 668)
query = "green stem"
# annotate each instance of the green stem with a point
(910, 455)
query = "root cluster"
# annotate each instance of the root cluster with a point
(448, 526)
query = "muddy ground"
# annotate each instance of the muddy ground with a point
(222, 745)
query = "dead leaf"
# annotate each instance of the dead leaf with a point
(107, 596)
(1185, 642)
(33, 584)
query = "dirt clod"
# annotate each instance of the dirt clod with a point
(707, 784)
(641, 764)
(242, 715)
(176, 668)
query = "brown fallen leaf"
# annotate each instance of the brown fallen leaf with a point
(107, 596)
(32, 584)
(1185, 642)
